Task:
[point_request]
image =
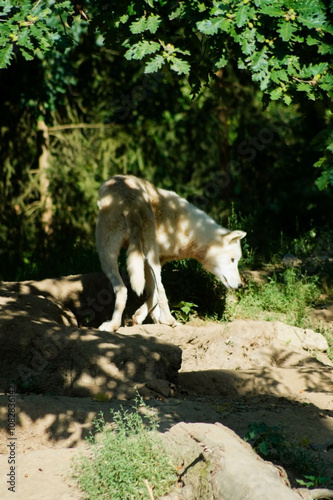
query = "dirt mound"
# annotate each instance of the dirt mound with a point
(45, 355)
(235, 373)
(248, 357)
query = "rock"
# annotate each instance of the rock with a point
(291, 261)
(241, 344)
(160, 386)
(247, 357)
(219, 465)
(90, 297)
(35, 308)
(307, 339)
(41, 353)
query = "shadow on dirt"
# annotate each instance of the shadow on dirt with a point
(65, 375)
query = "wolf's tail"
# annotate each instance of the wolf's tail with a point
(136, 262)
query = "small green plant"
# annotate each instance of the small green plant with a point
(314, 242)
(313, 481)
(265, 440)
(270, 443)
(248, 224)
(285, 296)
(200, 290)
(125, 455)
(183, 310)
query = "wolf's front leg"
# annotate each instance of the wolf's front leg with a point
(160, 311)
(152, 306)
(165, 316)
(155, 314)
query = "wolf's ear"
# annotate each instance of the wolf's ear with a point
(233, 236)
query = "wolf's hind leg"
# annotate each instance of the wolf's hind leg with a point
(108, 242)
(120, 291)
(108, 254)
(150, 306)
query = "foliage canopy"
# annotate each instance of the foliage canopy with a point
(285, 45)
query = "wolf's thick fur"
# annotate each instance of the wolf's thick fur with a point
(156, 225)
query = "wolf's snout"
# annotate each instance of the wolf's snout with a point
(240, 285)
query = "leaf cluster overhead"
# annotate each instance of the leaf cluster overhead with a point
(285, 45)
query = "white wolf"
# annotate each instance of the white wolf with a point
(155, 226)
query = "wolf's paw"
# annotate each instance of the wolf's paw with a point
(173, 322)
(170, 321)
(108, 326)
(139, 317)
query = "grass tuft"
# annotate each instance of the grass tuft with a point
(124, 458)
(286, 296)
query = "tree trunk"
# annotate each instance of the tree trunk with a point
(43, 165)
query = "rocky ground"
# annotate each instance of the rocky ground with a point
(233, 374)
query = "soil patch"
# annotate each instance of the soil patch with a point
(234, 374)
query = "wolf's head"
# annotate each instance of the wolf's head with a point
(223, 256)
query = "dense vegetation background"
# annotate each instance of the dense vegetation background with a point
(227, 103)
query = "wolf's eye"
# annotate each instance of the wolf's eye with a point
(232, 260)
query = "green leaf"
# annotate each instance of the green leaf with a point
(185, 52)
(138, 26)
(318, 68)
(5, 56)
(150, 23)
(311, 41)
(271, 11)
(263, 447)
(286, 30)
(242, 16)
(123, 19)
(260, 60)
(222, 62)
(6, 7)
(293, 67)
(153, 23)
(249, 43)
(311, 14)
(141, 49)
(213, 25)
(325, 48)
(265, 81)
(208, 26)
(287, 99)
(276, 94)
(154, 64)
(186, 309)
(303, 87)
(324, 180)
(25, 40)
(180, 66)
(248, 47)
(28, 56)
(279, 76)
(177, 13)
